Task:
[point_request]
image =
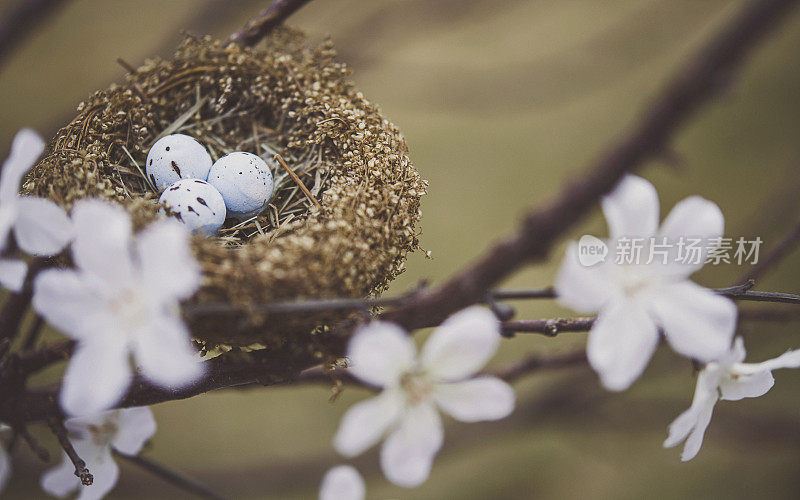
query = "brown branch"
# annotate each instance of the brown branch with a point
(510, 373)
(266, 21)
(549, 327)
(705, 76)
(175, 478)
(22, 18)
(781, 249)
(232, 369)
(31, 337)
(16, 305)
(81, 472)
(33, 444)
(736, 292)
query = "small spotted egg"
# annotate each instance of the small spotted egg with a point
(245, 182)
(196, 203)
(175, 157)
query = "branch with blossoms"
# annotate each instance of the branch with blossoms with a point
(100, 407)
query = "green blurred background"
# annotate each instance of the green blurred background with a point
(501, 102)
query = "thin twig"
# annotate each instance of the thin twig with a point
(182, 481)
(33, 444)
(756, 296)
(16, 305)
(81, 472)
(736, 292)
(266, 21)
(549, 327)
(33, 333)
(510, 373)
(298, 182)
(704, 77)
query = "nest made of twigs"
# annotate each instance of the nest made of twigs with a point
(289, 98)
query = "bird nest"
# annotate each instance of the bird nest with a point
(345, 235)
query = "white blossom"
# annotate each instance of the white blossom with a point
(383, 355)
(637, 299)
(342, 482)
(93, 438)
(40, 226)
(121, 300)
(728, 378)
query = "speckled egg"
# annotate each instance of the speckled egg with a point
(197, 204)
(245, 182)
(175, 157)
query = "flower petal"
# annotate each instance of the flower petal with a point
(581, 288)
(475, 400)
(25, 150)
(164, 351)
(789, 359)
(632, 209)
(380, 352)
(97, 377)
(621, 343)
(102, 241)
(736, 354)
(135, 427)
(746, 386)
(168, 267)
(366, 422)
(705, 393)
(342, 483)
(695, 439)
(407, 454)
(692, 218)
(102, 466)
(66, 300)
(12, 274)
(60, 481)
(462, 345)
(697, 322)
(42, 227)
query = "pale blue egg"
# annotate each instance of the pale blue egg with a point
(197, 204)
(245, 182)
(175, 157)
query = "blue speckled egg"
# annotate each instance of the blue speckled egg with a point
(245, 182)
(197, 204)
(175, 157)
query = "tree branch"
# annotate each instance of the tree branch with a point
(231, 369)
(17, 304)
(705, 76)
(549, 327)
(81, 472)
(266, 21)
